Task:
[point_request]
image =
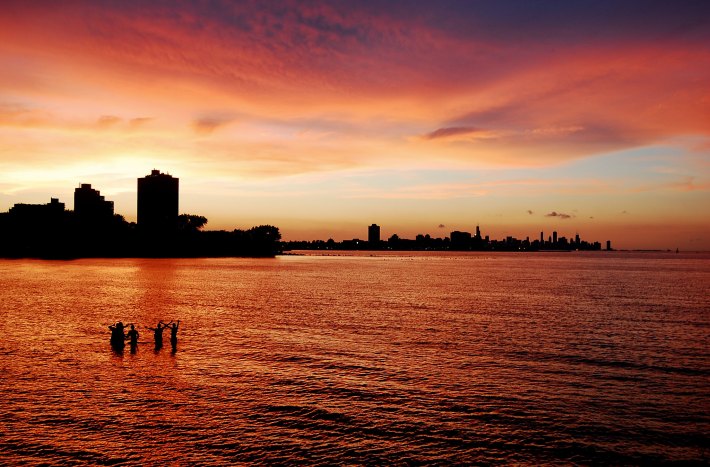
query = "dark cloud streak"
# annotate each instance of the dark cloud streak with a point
(561, 215)
(450, 131)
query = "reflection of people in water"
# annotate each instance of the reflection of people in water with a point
(173, 332)
(117, 336)
(132, 335)
(158, 334)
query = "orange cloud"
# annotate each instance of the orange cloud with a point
(107, 121)
(207, 125)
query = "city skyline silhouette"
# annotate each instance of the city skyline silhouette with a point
(93, 229)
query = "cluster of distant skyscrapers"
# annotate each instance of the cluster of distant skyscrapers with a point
(465, 241)
(457, 241)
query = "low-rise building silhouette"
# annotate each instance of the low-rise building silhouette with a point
(33, 217)
(27, 228)
(37, 211)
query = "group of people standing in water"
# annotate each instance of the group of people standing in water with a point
(119, 336)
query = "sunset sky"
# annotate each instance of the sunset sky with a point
(589, 117)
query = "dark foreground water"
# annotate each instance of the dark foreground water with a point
(395, 359)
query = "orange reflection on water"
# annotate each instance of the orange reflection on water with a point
(519, 358)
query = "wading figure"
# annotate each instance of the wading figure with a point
(158, 334)
(132, 335)
(173, 333)
(118, 339)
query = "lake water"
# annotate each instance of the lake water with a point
(387, 359)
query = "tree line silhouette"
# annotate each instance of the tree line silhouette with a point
(49, 231)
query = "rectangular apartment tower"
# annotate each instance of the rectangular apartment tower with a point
(158, 202)
(373, 235)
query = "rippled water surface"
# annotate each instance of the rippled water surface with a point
(385, 359)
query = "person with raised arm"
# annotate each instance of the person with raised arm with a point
(158, 334)
(173, 333)
(118, 338)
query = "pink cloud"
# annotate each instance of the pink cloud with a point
(474, 95)
(207, 125)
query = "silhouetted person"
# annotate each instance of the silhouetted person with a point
(118, 339)
(173, 333)
(158, 334)
(132, 335)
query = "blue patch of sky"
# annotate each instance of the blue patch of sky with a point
(631, 165)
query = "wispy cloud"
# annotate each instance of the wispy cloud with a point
(139, 122)
(450, 131)
(561, 215)
(687, 183)
(25, 116)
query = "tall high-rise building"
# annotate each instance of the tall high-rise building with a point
(373, 235)
(554, 236)
(158, 202)
(90, 206)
